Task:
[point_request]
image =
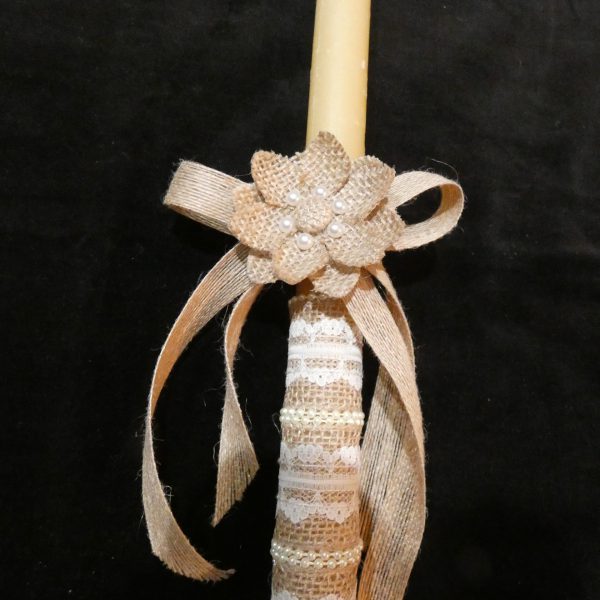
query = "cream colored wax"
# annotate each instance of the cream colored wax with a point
(338, 78)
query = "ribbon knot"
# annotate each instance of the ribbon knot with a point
(321, 216)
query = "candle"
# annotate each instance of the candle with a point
(317, 545)
(338, 77)
(289, 225)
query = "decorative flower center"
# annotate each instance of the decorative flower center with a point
(314, 215)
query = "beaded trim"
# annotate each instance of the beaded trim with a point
(284, 595)
(316, 560)
(312, 416)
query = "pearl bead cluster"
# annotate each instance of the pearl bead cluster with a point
(304, 240)
(317, 560)
(312, 416)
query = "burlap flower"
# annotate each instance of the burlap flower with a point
(316, 215)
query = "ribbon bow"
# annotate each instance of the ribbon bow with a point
(320, 216)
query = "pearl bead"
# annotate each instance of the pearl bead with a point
(318, 563)
(286, 224)
(320, 192)
(335, 229)
(304, 241)
(339, 206)
(293, 197)
(331, 563)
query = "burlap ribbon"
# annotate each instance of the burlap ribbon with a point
(393, 473)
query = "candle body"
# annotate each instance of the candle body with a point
(338, 78)
(316, 547)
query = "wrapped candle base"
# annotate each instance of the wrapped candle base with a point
(317, 547)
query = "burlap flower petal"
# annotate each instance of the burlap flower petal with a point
(275, 176)
(385, 227)
(292, 265)
(245, 196)
(260, 267)
(336, 280)
(365, 242)
(367, 185)
(257, 225)
(324, 163)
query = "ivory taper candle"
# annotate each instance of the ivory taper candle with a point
(338, 76)
(317, 546)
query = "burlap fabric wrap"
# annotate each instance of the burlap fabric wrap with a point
(319, 216)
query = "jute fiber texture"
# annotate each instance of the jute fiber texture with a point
(319, 216)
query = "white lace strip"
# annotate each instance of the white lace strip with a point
(304, 480)
(325, 350)
(298, 510)
(324, 327)
(311, 345)
(323, 377)
(316, 456)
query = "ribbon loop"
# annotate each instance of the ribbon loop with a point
(202, 194)
(407, 186)
(224, 283)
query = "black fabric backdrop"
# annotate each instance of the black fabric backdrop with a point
(99, 102)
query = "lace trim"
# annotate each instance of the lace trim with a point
(313, 455)
(302, 480)
(324, 352)
(298, 510)
(325, 327)
(323, 377)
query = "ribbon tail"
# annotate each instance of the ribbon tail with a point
(393, 472)
(222, 285)
(237, 464)
(395, 306)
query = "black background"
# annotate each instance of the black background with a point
(99, 102)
